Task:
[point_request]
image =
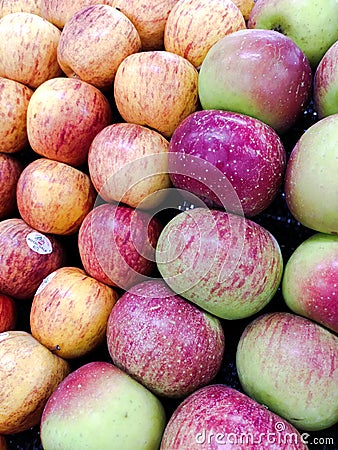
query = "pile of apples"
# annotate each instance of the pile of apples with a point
(144, 147)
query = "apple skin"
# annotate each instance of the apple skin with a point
(260, 73)
(8, 313)
(310, 280)
(311, 176)
(70, 311)
(218, 416)
(245, 6)
(157, 89)
(325, 83)
(54, 197)
(149, 20)
(247, 152)
(10, 171)
(129, 163)
(29, 374)
(224, 263)
(289, 363)
(12, 6)
(23, 266)
(14, 100)
(3, 443)
(163, 341)
(28, 49)
(117, 244)
(112, 410)
(310, 24)
(94, 42)
(193, 26)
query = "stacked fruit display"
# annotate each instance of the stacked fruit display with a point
(168, 224)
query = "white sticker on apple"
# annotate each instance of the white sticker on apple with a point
(39, 243)
(44, 282)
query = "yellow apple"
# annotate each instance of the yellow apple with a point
(245, 7)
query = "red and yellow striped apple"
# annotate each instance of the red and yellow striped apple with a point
(8, 313)
(10, 171)
(12, 6)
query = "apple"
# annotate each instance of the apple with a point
(289, 363)
(325, 83)
(149, 19)
(29, 374)
(8, 313)
(117, 244)
(27, 257)
(14, 100)
(93, 43)
(12, 6)
(224, 263)
(163, 341)
(129, 163)
(245, 6)
(193, 26)
(10, 170)
(3, 443)
(54, 197)
(112, 410)
(218, 416)
(70, 311)
(311, 25)
(63, 117)
(157, 89)
(260, 73)
(245, 152)
(311, 182)
(310, 281)
(28, 49)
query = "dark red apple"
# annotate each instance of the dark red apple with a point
(10, 170)
(8, 313)
(163, 341)
(117, 244)
(213, 152)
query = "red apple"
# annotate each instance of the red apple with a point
(129, 163)
(27, 257)
(63, 117)
(8, 313)
(117, 244)
(54, 197)
(261, 73)
(10, 170)
(193, 26)
(3, 443)
(28, 49)
(164, 342)
(217, 416)
(93, 43)
(14, 99)
(157, 89)
(11, 6)
(213, 145)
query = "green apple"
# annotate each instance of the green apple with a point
(311, 24)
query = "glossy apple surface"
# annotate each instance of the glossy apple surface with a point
(10, 171)
(261, 73)
(214, 145)
(311, 181)
(224, 263)
(289, 363)
(112, 411)
(27, 257)
(310, 280)
(8, 313)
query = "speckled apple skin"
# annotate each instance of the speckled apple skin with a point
(29, 374)
(325, 83)
(261, 73)
(70, 311)
(28, 49)
(157, 89)
(310, 280)
(217, 416)
(248, 153)
(8, 313)
(10, 171)
(11, 6)
(99, 406)
(14, 99)
(194, 26)
(94, 42)
(63, 117)
(163, 341)
(290, 364)
(54, 197)
(21, 268)
(117, 244)
(224, 263)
